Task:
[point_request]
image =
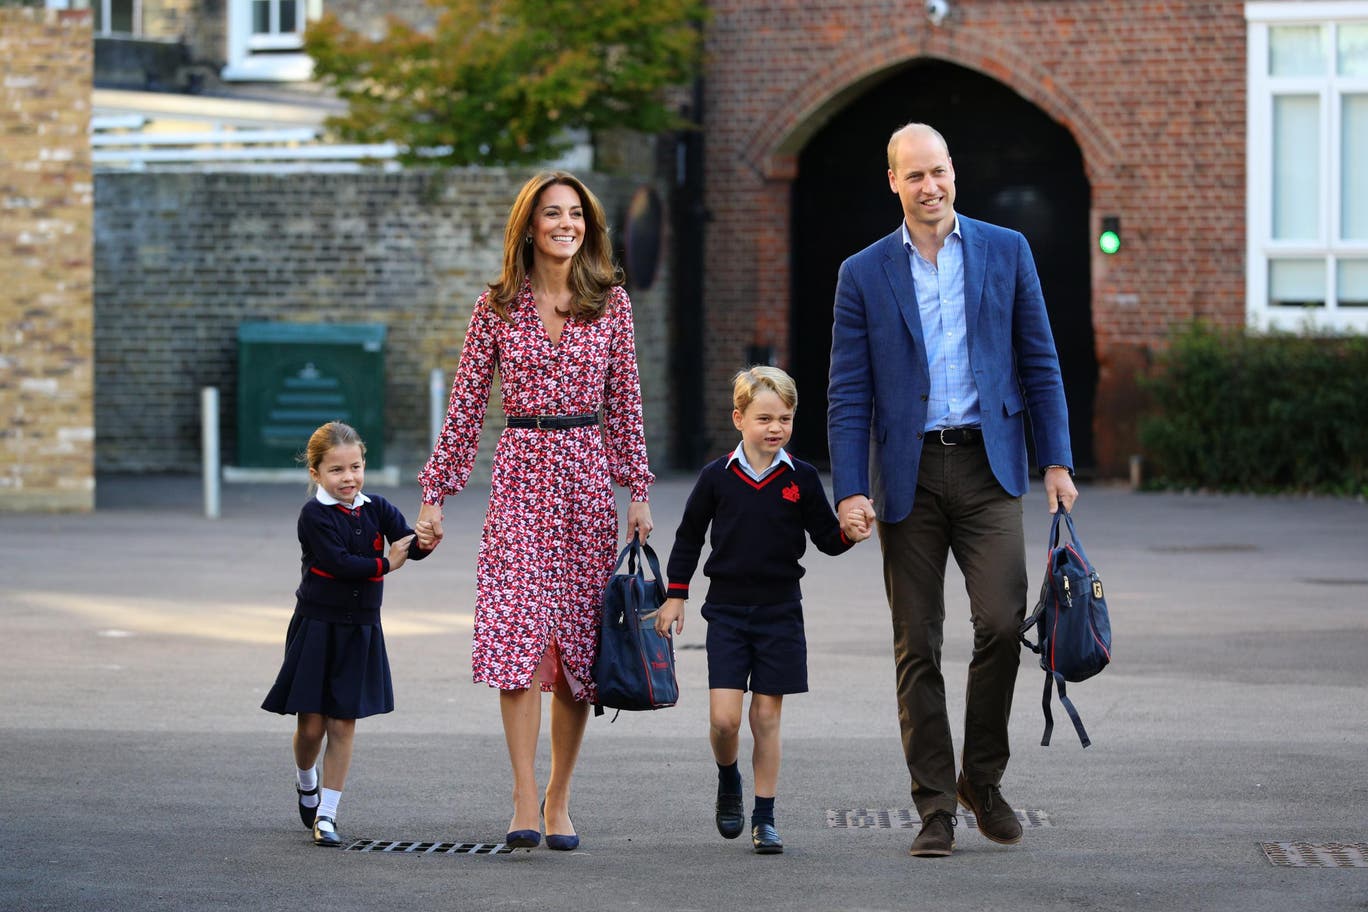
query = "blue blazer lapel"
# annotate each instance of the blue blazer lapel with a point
(899, 275)
(975, 268)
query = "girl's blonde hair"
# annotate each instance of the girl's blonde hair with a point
(592, 272)
(332, 434)
(748, 384)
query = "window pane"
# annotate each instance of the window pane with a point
(1353, 283)
(1296, 50)
(121, 16)
(289, 19)
(1296, 167)
(1353, 50)
(261, 17)
(1354, 168)
(1296, 283)
(97, 13)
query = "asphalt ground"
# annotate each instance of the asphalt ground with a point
(138, 773)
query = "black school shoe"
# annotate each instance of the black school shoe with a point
(307, 814)
(325, 833)
(731, 816)
(765, 839)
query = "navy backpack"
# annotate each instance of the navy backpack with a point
(1073, 630)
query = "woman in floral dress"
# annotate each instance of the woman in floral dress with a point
(557, 326)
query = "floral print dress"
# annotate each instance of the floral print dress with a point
(550, 533)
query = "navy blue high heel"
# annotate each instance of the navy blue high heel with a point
(555, 841)
(523, 839)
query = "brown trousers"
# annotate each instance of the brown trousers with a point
(960, 508)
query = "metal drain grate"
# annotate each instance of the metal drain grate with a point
(691, 646)
(429, 848)
(1317, 854)
(907, 819)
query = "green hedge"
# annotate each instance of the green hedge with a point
(1238, 411)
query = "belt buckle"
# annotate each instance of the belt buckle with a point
(943, 441)
(537, 419)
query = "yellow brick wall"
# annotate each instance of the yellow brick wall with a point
(47, 436)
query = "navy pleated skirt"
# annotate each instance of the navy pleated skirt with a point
(339, 670)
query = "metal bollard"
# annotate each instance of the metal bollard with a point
(437, 402)
(209, 449)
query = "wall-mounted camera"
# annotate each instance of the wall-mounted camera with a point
(937, 10)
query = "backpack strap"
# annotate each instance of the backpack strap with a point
(1052, 678)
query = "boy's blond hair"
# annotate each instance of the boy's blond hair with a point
(749, 383)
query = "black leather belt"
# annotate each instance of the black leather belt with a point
(551, 422)
(957, 436)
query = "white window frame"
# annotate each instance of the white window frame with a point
(106, 14)
(266, 58)
(1262, 88)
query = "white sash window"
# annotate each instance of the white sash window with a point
(266, 39)
(1307, 163)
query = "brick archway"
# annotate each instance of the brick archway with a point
(774, 145)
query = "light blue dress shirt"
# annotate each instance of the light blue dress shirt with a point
(953, 399)
(739, 456)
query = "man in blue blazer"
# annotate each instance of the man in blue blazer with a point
(940, 347)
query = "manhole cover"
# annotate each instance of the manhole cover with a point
(907, 819)
(429, 848)
(1317, 854)
(1204, 549)
(690, 646)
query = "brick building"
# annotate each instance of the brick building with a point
(1229, 138)
(46, 308)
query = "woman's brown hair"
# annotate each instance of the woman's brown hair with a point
(592, 271)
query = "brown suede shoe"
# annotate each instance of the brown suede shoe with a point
(994, 816)
(937, 836)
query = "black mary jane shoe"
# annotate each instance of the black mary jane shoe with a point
(325, 832)
(765, 839)
(731, 816)
(307, 814)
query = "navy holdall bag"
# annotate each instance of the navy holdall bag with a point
(1073, 629)
(635, 667)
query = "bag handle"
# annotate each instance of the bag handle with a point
(637, 554)
(1073, 534)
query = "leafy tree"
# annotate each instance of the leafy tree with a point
(500, 81)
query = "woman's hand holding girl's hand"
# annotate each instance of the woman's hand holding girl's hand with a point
(398, 552)
(429, 526)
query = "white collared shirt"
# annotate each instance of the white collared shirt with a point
(328, 500)
(739, 455)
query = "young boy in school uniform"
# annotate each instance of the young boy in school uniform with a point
(761, 504)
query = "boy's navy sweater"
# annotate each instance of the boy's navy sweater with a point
(344, 563)
(759, 532)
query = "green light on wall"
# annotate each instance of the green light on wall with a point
(1109, 241)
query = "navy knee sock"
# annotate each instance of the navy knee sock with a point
(728, 779)
(764, 811)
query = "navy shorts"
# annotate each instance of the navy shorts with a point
(761, 648)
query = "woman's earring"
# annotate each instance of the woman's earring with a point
(527, 238)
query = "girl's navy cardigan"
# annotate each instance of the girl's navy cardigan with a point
(344, 562)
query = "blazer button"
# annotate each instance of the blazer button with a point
(356, 592)
(920, 435)
(923, 397)
(356, 532)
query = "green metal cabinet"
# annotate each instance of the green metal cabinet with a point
(292, 377)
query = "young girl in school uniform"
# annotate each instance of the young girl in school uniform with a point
(336, 670)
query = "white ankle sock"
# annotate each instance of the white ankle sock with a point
(308, 781)
(328, 806)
